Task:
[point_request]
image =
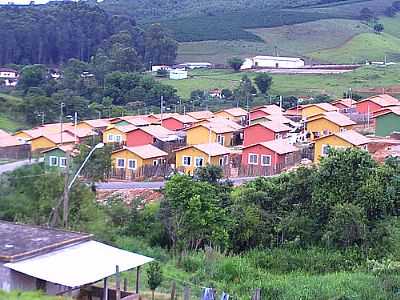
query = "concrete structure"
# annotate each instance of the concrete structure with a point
(340, 140)
(57, 261)
(275, 62)
(177, 74)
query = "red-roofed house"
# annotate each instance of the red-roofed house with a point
(344, 104)
(264, 132)
(375, 103)
(387, 121)
(178, 122)
(314, 109)
(269, 158)
(327, 123)
(266, 110)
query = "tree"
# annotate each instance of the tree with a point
(210, 173)
(154, 277)
(263, 81)
(244, 93)
(235, 63)
(32, 76)
(226, 94)
(378, 28)
(346, 226)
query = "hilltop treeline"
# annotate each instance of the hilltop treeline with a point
(54, 33)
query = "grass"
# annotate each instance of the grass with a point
(27, 296)
(298, 39)
(365, 46)
(298, 85)
(8, 105)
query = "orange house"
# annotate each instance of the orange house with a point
(235, 114)
(310, 110)
(327, 123)
(47, 141)
(209, 133)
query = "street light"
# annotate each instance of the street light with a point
(98, 146)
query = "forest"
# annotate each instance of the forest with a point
(314, 233)
(53, 33)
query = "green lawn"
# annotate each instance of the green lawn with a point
(297, 85)
(27, 296)
(9, 103)
(365, 46)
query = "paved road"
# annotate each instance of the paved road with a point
(15, 165)
(152, 185)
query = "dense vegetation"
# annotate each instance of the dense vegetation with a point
(54, 33)
(315, 233)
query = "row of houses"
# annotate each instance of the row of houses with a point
(265, 140)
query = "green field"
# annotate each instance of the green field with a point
(297, 85)
(8, 121)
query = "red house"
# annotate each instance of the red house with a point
(375, 103)
(156, 135)
(266, 110)
(264, 132)
(276, 154)
(178, 122)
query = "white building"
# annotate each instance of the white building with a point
(161, 67)
(276, 62)
(178, 74)
(196, 65)
(7, 73)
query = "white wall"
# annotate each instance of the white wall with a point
(178, 74)
(276, 63)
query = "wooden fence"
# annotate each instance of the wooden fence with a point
(145, 172)
(16, 152)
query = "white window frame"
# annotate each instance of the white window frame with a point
(183, 161)
(51, 163)
(249, 159)
(62, 159)
(198, 159)
(132, 160)
(221, 139)
(110, 137)
(117, 138)
(266, 156)
(121, 159)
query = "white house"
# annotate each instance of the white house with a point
(7, 73)
(177, 74)
(276, 62)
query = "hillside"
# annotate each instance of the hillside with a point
(8, 111)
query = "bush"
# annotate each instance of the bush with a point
(192, 264)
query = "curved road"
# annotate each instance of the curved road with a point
(156, 185)
(15, 165)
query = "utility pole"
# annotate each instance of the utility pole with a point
(66, 193)
(75, 124)
(162, 108)
(42, 117)
(61, 121)
(280, 101)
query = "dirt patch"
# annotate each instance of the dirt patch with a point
(145, 196)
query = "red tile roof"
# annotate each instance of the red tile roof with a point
(384, 100)
(279, 146)
(185, 119)
(274, 126)
(236, 111)
(387, 110)
(271, 109)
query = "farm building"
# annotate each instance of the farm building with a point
(387, 121)
(59, 262)
(276, 62)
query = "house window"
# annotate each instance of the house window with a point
(364, 147)
(53, 161)
(221, 140)
(111, 138)
(63, 162)
(265, 160)
(132, 164)
(342, 129)
(226, 160)
(278, 136)
(253, 159)
(117, 139)
(187, 161)
(199, 162)
(325, 150)
(221, 161)
(120, 163)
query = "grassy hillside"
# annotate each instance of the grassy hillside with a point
(298, 85)
(8, 118)
(365, 46)
(27, 296)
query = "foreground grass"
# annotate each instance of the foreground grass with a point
(298, 85)
(27, 296)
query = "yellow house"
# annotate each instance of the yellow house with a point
(310, 110)
(189, 158)
(47, 141)
(117, 134)
(24, 135)
(235, 114)
(210, 133)
(132, 159)
(327, 123)
(341, 140)
(97, 124)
